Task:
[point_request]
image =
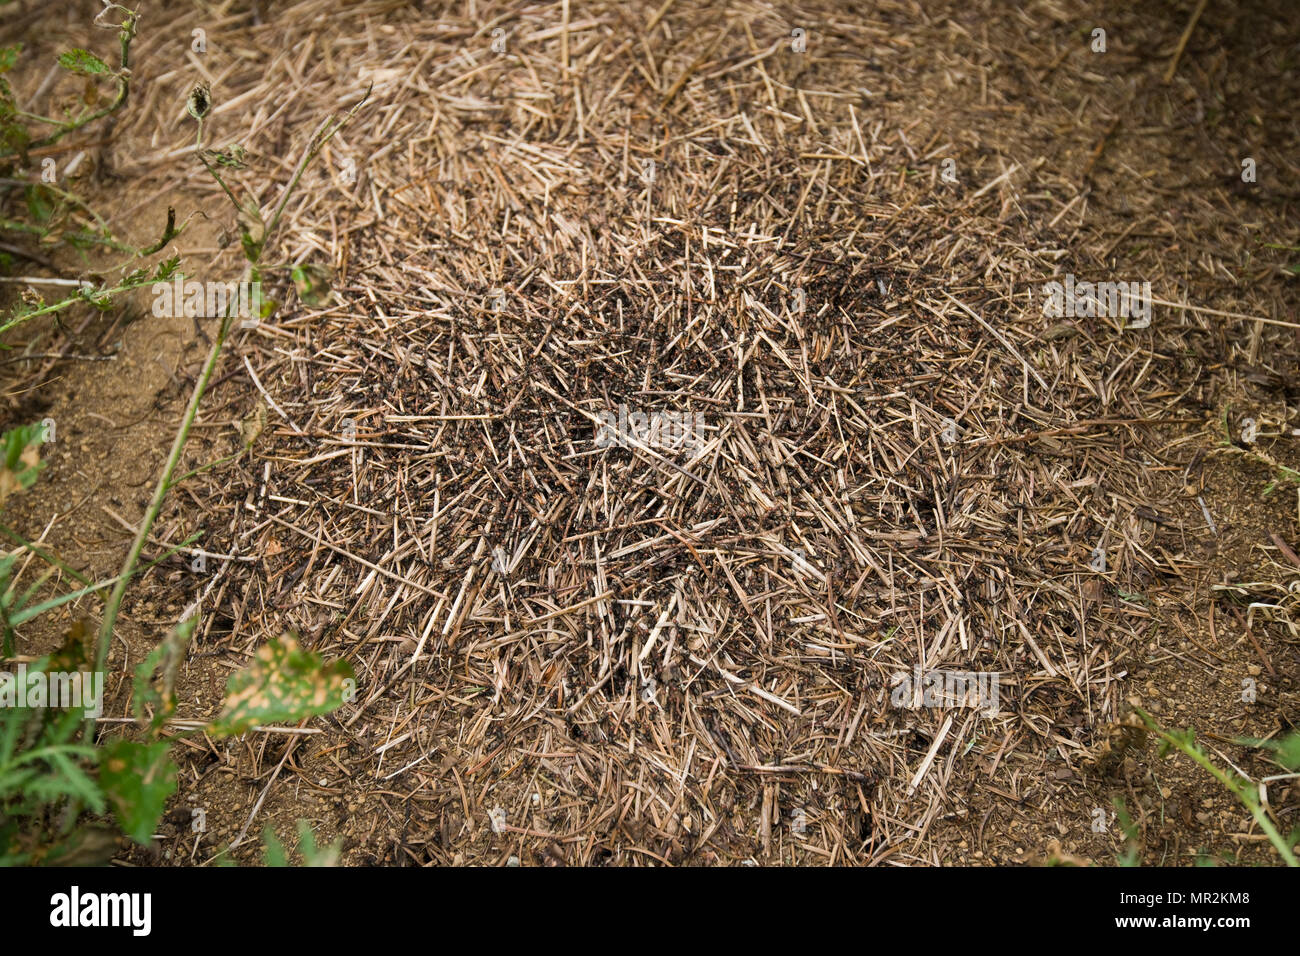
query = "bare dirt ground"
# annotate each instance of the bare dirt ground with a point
(646, 658)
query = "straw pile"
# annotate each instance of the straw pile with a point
(643, 653)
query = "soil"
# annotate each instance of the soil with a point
(1149, 172)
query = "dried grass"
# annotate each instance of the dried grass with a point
(674, 653)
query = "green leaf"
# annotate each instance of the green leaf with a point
(40, 203)
(275, 855)
(9, 56)
(12, 135)
(1285, 751)
(83, 62)
(284, 683)
(1288, 751)
(21, 463)
(313, 282)
(252, 247)
(75, 780)
(137, 778)
(169, 654)
(232, 157)
(313, 855)
(13, 781)
(144, 694)
(167, 268)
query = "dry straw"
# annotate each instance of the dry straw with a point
(642, 656)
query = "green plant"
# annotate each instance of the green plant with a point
(1286, 752)
(49, 777)
(32, 306)
(16, 139)
(46, 776)
(312, 855)
(1293, 269)
(52, 213)
(18, 471)
(1244, 789)
(1132, 854)
(1226, 445)
(254, 248)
